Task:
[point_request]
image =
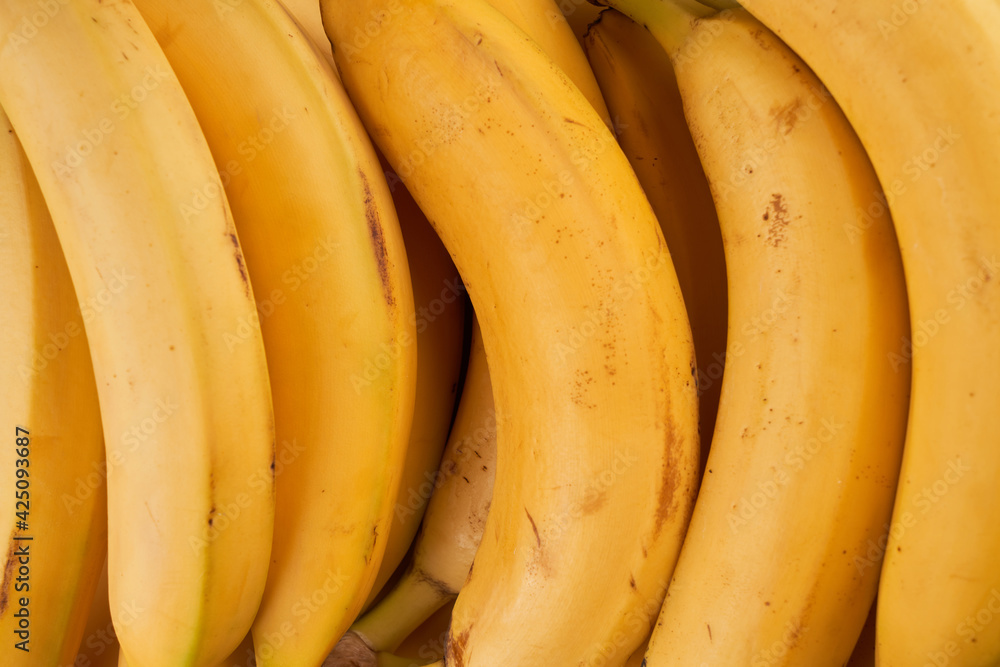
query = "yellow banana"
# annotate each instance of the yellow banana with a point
(439, 298)
(654, 134)
(54, 497)
(582, 320)
(920, 82)
(325, 253)
(452, 527)
(543, 22)
(187, 418)
(807, 446)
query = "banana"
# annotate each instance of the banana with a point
(582, 320)
(243, 656)
(807, 447)
(654, 134)
(543, 22)
(54, 497)
(325, 252)
(439, 297)
(920, 82)
(187, 419)
(452, 527)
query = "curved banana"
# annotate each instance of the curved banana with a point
(451, 531)
(808, 442)
(187, 415)
(54, 512)
(582, 319)
(439, 299)
(920, 82)
(638, 82)
(544, 23)
(324, 250)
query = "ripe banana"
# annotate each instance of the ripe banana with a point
(808, 442)
(654, 134)
(54, 498)
(920, 82)
(582, 319)
(451, 531)
(543, 22)
(324, 250)
(439, 297)
(187, 418)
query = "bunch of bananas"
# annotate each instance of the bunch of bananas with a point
(500, 332)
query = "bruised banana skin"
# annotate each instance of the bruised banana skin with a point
(159, 346)
(583, 324)
(922, 90)
(53, 454)
(451, 531)
(808, 443)
(325, 252)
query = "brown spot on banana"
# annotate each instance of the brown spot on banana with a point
(378, 241)
(8, 571)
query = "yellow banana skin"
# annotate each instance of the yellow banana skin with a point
(638, 82)
(921, 85)
(807, 447)
(52, 470)
(325, 253)
(544, 23)
(439, 299)
(187, 420)
(451, 531)
(583, 324)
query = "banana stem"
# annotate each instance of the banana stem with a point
(670, 21)
(410, 603)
